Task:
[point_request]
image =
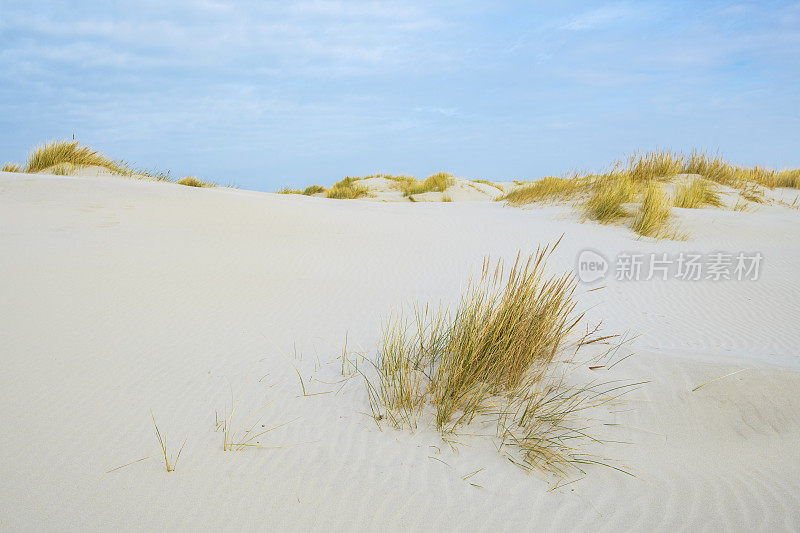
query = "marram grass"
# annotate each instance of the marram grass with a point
(605, 199)
(654, 212)
(347, 189)
(501, 357)
(696, 194)
(191, 181)
(438, 182)
(58, 152)
(546, 190)
(11, 167)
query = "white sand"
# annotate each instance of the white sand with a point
(121, 296)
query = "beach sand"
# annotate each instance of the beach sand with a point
(123, 296)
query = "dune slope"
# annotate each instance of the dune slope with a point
(121, 297)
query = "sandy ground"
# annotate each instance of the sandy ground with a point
(121, 296)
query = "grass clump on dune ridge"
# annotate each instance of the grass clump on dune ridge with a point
(654, 212)
(62, 152)
(546, 189)
(308, 191)
(191, 181)
(606, 196)
(490, 183)
(499, 358)
(788, 178)
(347, 189)
(696, 194)
(438, 182)
(11, 167)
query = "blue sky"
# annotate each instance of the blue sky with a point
(266, 94)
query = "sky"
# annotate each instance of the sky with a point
(266, 94)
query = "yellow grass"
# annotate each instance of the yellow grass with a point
(169, 461)
(499, 358)
(606, 196)
(696, 194)
(438, 182)
(546, 189)
(347, 189)
(11, 167)
(71, 152)
(191, 181)
(654, 212)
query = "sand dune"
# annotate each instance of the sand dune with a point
(122, 296)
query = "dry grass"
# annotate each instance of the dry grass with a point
(499, 357)
(438, 182)
(70, 152)
(191, 181)
(788, 178)
(238, 437)
(313, 189)
(347, 189)
(546, 189)
(654, 212)
(646, 166)
(606, 196)
(696, 194)
(490, 183)
(169, 461)
(11, 167)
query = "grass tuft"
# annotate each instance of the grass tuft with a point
(696, 194)
(71, 152)
(499, 358)
(313, 189)
(191, 181)
(546, 189)
(438, 182)
(606, 197)
(654, 212)
(788, 178)
(347, 189)
(169, 461)
(11, 167)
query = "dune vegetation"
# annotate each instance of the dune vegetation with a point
(347, 189)
(438, 182)
(502, 357)
(62, 152)
(191, 181)
(603, 197)
(308, 191)
(63, 157)
(654, 212)
(696, 194)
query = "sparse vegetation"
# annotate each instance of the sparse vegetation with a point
(606, 197)
(191, 181)
(438, 182)
(490, 183)
(11, 167)
(70, 152)
(654, 212)
(501, 357)
(546, 189)
(169, 461)
(788, 178)
(313, 189)
(347, 189)
(696, 194)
